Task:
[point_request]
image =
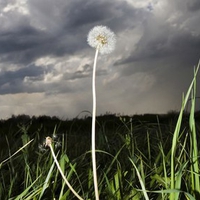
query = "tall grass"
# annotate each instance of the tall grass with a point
(194, 165)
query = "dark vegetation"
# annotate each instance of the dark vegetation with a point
(78, 130)
(129, 135)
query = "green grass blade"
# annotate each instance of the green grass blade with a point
(46, 182)
(22, 195)
(194, 146)
(140, 179)
(177, 131)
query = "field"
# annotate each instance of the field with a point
(138, 157)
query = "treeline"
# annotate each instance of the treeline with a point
(47, 124)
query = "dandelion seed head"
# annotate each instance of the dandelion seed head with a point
(54, 136)
(41, 148)
(48, 141)
(58, 144)
(103, 38)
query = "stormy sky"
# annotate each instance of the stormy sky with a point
(46, 63)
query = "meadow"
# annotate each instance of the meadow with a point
(138, 156)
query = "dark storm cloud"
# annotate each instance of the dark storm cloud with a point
(80, 13)
(13, 81)
(31, 80)
(23, 45)
(79, 74)
(26, 44)
(181, 46)
(18, 40)
(60, 28)
(116, 15)
(165, 44)
(194, 5)
(85, 72)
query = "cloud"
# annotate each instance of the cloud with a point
(13, 81)
(44, 55)
(193, 5)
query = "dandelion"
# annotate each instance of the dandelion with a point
(103, 40)
(48, 143)
(50, 140)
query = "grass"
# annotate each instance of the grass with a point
(135, 159)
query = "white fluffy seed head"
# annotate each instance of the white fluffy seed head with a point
(103, 38)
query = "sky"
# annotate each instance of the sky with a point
(46, 64)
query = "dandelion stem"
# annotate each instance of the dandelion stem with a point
(93, 127)
(103, 40)
(63, 176)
